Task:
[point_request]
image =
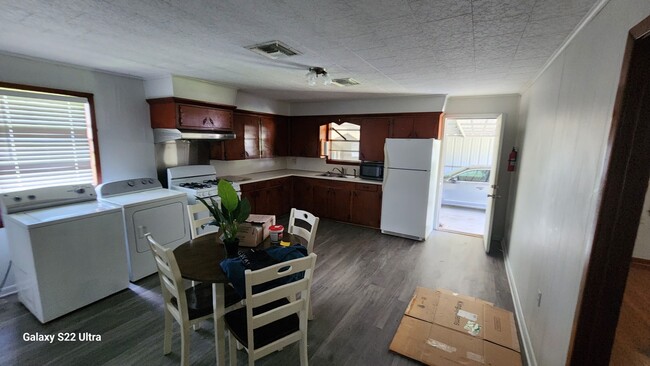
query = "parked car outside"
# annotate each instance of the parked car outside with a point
(467, 187)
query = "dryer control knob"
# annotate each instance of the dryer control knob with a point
(150, 181)
(130, 183)
(144, 181)
(17, 199)
(80, 190)
(31, 197)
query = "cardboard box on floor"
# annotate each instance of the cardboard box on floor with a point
(441, 327)
(255, 230)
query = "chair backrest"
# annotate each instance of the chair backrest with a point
(296, 305)
(199, 215)
(171, 282)
(307, 234)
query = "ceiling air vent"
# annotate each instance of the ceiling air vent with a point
(345, 82)
(273, 49)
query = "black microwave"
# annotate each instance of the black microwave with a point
(373, 170)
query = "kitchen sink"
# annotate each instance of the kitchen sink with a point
(330, 174)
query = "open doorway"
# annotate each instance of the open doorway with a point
(470, 155)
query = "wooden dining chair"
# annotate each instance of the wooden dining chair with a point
(300, 230)
(299, 220)
(274, 318)
(187, 307)
(199, 215)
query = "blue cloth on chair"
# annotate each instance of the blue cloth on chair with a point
(235, 267)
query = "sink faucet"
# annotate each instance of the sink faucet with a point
(340, 170)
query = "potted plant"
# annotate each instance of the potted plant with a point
(232, 212)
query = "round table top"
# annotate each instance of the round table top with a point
(199, 259)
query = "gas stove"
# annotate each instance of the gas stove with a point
(196, 181)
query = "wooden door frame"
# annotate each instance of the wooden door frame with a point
(619, 212)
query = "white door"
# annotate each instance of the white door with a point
(492, 190)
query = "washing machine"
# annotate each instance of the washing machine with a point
(147, 207)
(68, 249)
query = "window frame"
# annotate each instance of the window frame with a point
(91, 130)
(328, 160)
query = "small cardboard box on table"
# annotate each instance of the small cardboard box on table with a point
(256, 228)
(441, 327)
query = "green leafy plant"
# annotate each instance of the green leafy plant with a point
(232, 212)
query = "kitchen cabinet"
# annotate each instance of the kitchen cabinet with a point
(257, 136)
(332, 199)
(303, 194)
(374, 132)
(422, 125)
(270, 197)
(365, 205)
(189, 114)
(274, 136)
(306, 136)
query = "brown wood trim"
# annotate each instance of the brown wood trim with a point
(45, 90)
(95, 141)
(433, 114)
(619, 212)
(254, 113)
(93, 122)
(641, 263)
(190, 101)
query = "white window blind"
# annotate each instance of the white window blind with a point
(43, 140)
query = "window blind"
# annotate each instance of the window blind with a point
(43, 140)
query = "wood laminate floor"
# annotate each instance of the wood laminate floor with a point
(363, 282)
(632, 342)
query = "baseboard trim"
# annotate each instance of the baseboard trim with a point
(8, 290)
(521, 322)
(641, 263)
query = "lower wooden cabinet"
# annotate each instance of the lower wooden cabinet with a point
(365, 205)
(357, 203)
(332, 199)
(269, 197)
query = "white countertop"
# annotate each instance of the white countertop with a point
(274, 174)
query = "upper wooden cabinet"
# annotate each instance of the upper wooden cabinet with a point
(374, 132)
(257, 136)
(190, 114)
(274, 136)
(305, 136)
(421, 125)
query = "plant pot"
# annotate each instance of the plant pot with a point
(232, 247)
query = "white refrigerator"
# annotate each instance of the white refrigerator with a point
(410, 186)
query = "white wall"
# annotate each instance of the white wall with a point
(122, 116)
(461, 152)
(566, 118)
(428, 103)
(251, 102)
(642, 245)
(508, 105)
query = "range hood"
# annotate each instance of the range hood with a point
(171, 134)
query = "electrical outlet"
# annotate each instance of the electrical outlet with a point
(539, 298)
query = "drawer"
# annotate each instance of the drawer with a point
(366, 187)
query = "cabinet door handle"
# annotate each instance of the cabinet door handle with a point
(205, 120)
(211, 121)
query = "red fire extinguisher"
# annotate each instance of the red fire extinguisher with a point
(512, 160)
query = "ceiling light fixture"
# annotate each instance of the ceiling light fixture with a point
(314, 73)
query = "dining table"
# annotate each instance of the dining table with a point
(199, 260)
